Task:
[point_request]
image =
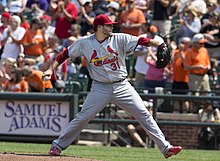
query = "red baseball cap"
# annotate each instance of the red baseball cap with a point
(103, 19)
(6, 15)
(47, 17)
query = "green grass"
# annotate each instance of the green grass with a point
(111, 153)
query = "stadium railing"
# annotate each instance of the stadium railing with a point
(76, 106)
(155, 97)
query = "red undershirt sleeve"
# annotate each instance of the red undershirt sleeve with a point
(62, 56)
(144, 41)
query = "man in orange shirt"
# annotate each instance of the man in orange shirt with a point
(180, 76)
(132, 19)
(34, 41)
(197, 62)
(35, 82)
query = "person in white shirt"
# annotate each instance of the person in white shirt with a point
(46, 23)
(141, 66)
(11, 37)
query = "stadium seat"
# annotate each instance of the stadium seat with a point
(82, 79)
(72, 87)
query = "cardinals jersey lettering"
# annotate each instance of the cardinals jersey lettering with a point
(106, 60)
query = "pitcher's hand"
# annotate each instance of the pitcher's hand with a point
(47, 75)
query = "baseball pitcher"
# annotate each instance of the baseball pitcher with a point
(105, 53)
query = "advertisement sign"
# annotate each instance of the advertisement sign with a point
(25, 117)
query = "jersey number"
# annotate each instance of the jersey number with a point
(115, 66)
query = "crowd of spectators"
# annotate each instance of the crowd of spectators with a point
(33, 33)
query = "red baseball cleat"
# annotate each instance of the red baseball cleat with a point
(172, 151)
(54, 151)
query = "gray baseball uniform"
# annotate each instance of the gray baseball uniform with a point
(106, 65)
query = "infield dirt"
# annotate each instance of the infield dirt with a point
(38, 157)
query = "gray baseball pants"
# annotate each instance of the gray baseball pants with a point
(123, 95)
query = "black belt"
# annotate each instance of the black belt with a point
(121, 80)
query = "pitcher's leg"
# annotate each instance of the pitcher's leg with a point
(132, 102)
(94, 103)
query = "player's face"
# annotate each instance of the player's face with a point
(107, 30)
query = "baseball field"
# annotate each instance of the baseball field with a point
(10, 151)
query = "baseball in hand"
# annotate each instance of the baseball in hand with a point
(45, 77)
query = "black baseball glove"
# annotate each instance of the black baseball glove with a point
(163, 55)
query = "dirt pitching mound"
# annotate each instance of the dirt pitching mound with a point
(38, 157)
